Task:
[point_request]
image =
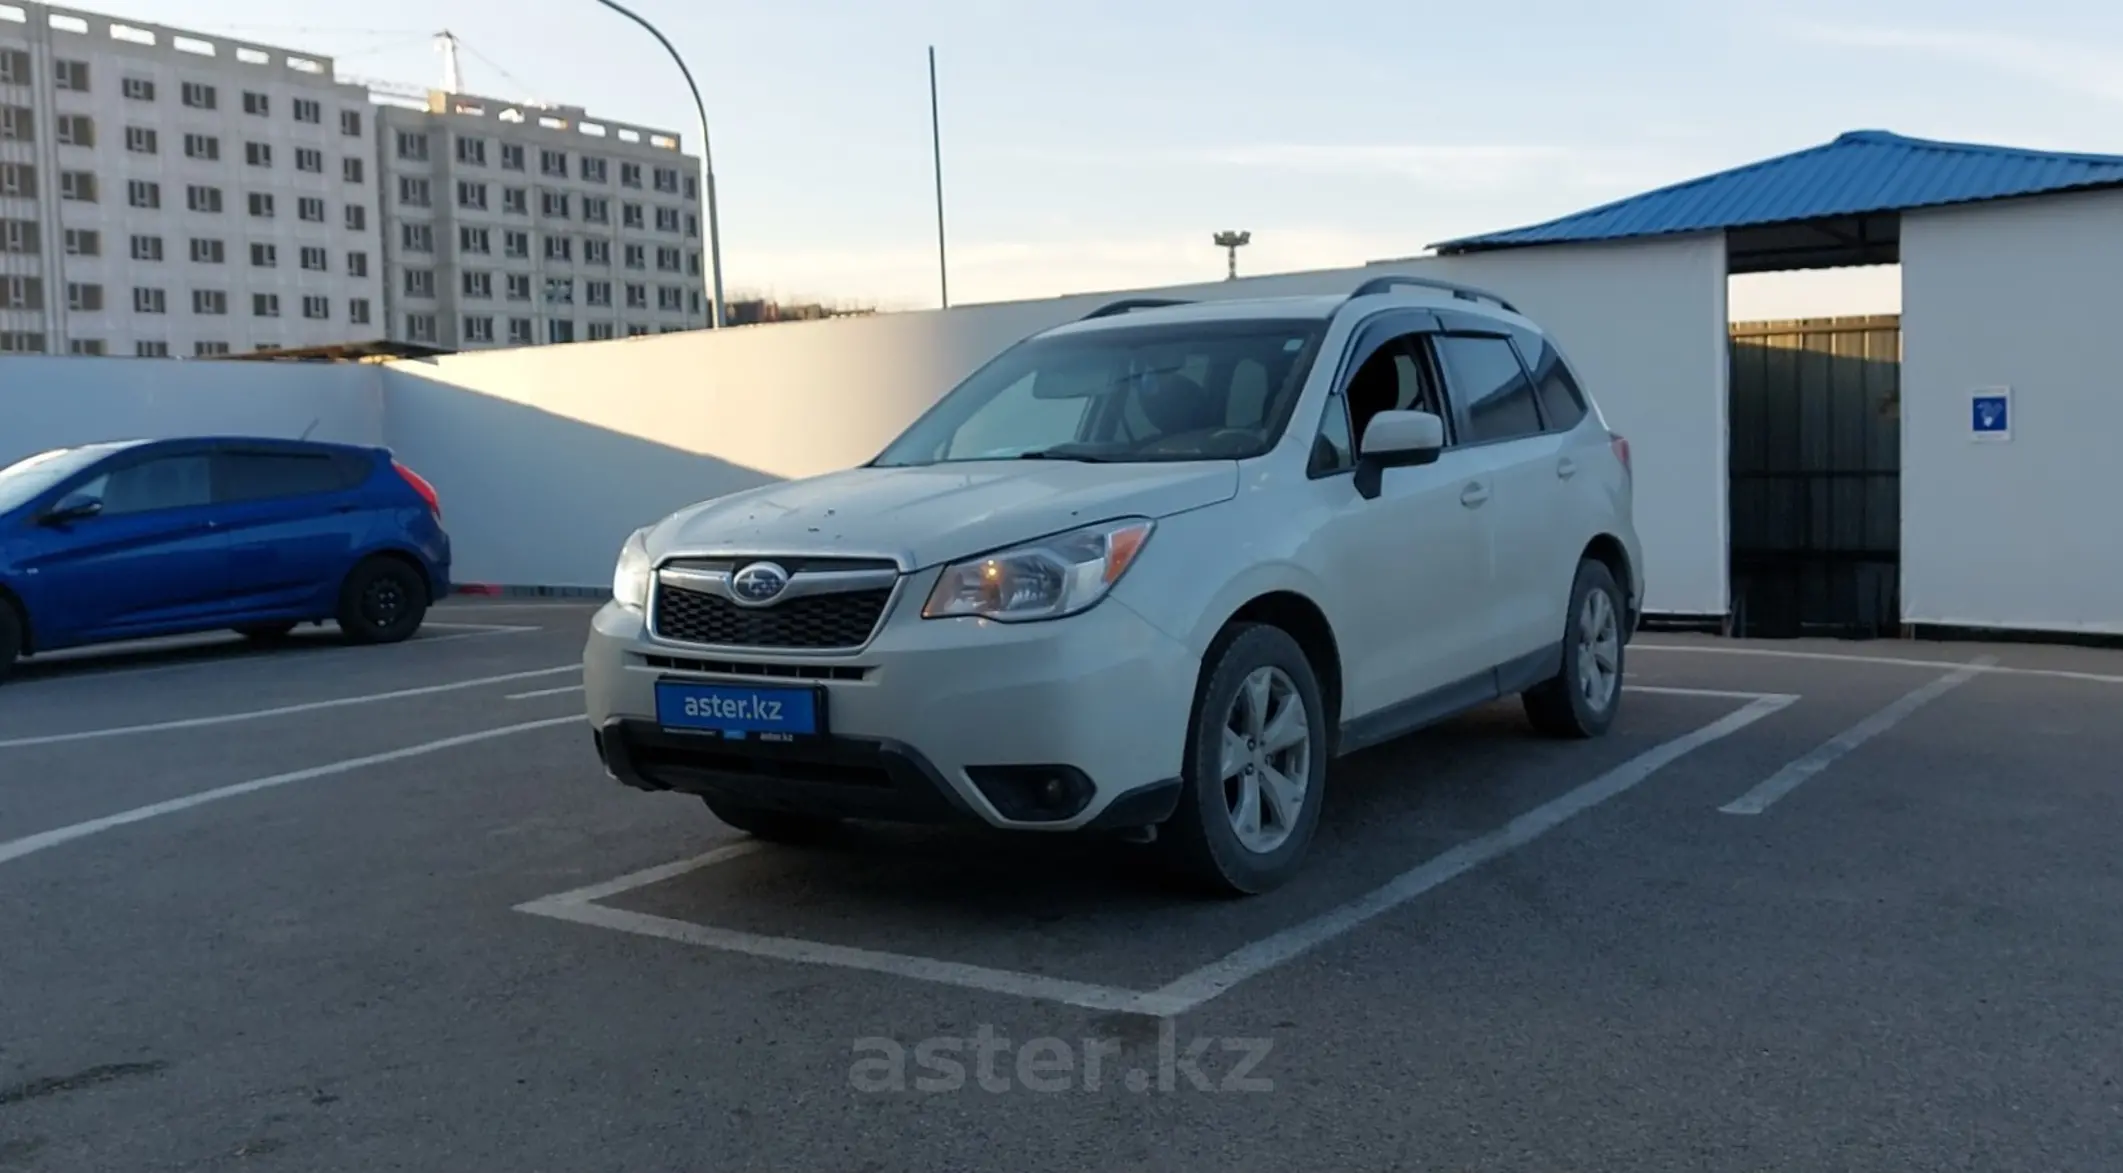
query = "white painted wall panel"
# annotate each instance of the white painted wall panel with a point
(2023, 534)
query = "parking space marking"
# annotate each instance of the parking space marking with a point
(46, 840)
(1719, 693)
(536, 693)
(1890, 661)
(87, 657)
(479, 627)
(1186, 992)
(282, 710)
(1787, 779)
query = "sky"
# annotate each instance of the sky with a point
(1100, 144)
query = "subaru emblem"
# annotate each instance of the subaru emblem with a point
(758, 583)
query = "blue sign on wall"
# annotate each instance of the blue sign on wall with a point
(1990, 413)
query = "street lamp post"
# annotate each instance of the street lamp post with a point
(716, 318)
(1231, 242)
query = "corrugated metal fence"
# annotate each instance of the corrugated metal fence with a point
(1816, 476)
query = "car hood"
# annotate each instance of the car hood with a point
(927, 514)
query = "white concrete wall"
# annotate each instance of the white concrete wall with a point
(547, 457)
(2026, 294)
(50, 402)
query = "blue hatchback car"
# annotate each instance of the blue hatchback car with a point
(133, 539)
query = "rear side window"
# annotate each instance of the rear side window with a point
(259, 476)
(1484, 373)
(1562, 403)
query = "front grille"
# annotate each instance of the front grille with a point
(842, 620)
(746, 668)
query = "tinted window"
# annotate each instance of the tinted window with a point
(1486, 376)
(1394, 378)
(1562, 404)
(252, 476)
(168, 482)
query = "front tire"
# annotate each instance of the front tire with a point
(383, 601)
(11, 636)
(1580, 701)
(773, 826)
(1255, 773)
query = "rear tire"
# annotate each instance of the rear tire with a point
(1255, 773)
(10, 638)
(383, 601)
(266, 633)
(773, 826)
(1580, 701)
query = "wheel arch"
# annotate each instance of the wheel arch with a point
(400, 555)
(16, 607)
(1297, 615)
(1608, 550)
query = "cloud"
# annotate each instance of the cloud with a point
(2092, 70)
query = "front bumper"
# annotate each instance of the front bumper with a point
(935, 721)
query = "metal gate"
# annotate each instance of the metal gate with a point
(1815, 462)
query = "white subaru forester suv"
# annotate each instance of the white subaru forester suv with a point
(1146, 572)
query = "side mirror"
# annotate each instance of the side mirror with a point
(71, 508)
(1396, 439)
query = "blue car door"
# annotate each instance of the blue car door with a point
(150, 559)
(293, 518)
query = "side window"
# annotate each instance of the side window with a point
(256, 476)
(1331, 450)
(1485, 374)
(169, 482)
(1562, 403)
(1394, 378)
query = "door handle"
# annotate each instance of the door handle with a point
(1566, 468)
(1474, 494)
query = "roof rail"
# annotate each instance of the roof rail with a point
(1463, 292)
(1132, 303)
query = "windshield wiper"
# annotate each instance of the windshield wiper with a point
(1058, 454)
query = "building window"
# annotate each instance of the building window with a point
(21, 342)
(209, 349)
(637, 296)
(147, 248)
(18, 180)
(258, 154)
(70, 75)
(472, 151)
(667, 180)
(202, 146)
(142, 140)
(22, 293)
(600, 331)
(18, 236)
(667, 219)
(357, 311)
(16, 124)
(265, 305)
(593, 169)
(256, 103)
(519, 286)
(553, 163)
(75, 130)
(208, 252)
(554, 204)
(631, 216)
(692, 187)
(559, 330)
(317, 309)
(692, 225)
(308, 110)
(88, 346)
(138, 89)
(668, 260)
(77, 185)
(350, 123)
(476, 241)
(357, 264)
(417, 238)
(200, 198)
(420, 327)
(150, 301)
(471, 195)
(420, 282)
(597, 292)
(83, 242)
(596, 210)
(479, 329)
(515, 201)
(310, 208)
(350, 169)
(413, 145)
(637, 256)
(669, 297)
(413, 191)
(143, 193)
(357, 218)
(14, 67)
(630, 175)
(511, 157)
(209, 302)
(516, 245)
(199, 96)
(146, 349)
(265, 256)
(693, 264)
(597, 252)
(479, 285)
(520, 331)
(261, 203)
(693, 301)
(558, 248)
(309, 159)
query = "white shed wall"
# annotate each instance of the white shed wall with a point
(2023, 534)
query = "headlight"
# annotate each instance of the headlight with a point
(630, 579)
(1045, 579)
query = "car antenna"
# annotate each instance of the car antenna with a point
(313, 427)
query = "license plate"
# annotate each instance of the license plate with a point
(739, 711)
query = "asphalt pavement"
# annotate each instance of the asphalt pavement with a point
(1811, 905)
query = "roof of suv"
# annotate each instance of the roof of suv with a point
(1319, 306)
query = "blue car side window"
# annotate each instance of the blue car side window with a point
(169, 482)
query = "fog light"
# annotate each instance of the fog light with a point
(1033, 794)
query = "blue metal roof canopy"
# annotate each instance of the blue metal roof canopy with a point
(1834, 204)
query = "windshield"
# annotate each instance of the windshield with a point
(1187, 391)
(21, 481)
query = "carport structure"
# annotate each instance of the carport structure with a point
(1852, 484)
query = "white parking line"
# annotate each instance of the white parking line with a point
(562, 691)
(1188, 991)
(1719, 693)
(1786, 780)
(1891, 661)
(88, 658)
(282, 710)
(479, 626)
(46, 840)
